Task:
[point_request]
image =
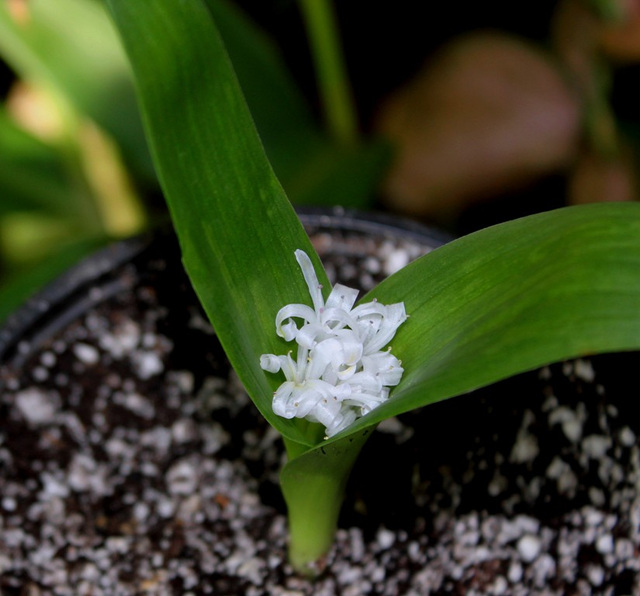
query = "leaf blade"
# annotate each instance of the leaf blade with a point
(514, 297)
(237, 230)
(483, 327)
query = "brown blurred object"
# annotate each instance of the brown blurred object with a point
(620, 40)
(583, 41)
(597, 178)
(489, 114)
(575, 30)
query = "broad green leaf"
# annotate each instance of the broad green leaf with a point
(70, 45)
(237, 230)
(496, 303)
(511, 298)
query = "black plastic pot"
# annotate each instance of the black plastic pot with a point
(98, 278)
(132, 461)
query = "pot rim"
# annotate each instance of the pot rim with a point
(95, 277)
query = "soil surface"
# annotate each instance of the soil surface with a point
(132, 462)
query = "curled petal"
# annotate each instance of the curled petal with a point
(342, 391)
(346, 372)
(365, 381)
(292, 311)
(345, 417)
(386, 367)
(326, 411)
(288, 331)
(315, 393)
(334, 319)
(368, 328)
(282, 401)
(350, 348)
(306, 402)
(365, 401)
(289, 368)
(270, 363)
(367, 309)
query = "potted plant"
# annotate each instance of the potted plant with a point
(505, 300)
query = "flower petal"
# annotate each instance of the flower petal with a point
(320, 357)
(342, 297)
(351, 347)
(385, 366)
(298, 311)
(315, 289)
(394, 316)
(282, 403)
(270, 363)
(310, 334)
(309, 400)
(339, 372)
(333, 319)
(344, 418)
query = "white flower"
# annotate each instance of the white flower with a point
(339, 372)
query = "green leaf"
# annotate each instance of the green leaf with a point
(496, 303)
(237, 230)
(33, 176)
(331, 74)
(511, 298)
(345, 176)
(71, 46)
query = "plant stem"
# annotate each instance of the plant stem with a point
(313, 511)
(320, 22)
(313, 486)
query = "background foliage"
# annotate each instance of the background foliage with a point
(74, 170)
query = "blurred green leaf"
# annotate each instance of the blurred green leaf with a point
(33, 176)
(287, 127)
(71, 46)
(237, 230)
(313, 169)
(342, 176)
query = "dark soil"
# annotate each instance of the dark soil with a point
(132, 462)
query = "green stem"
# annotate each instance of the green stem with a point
(320, 21)
(313, 519)
(313, 487)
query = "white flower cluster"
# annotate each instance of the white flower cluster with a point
(340, 372)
